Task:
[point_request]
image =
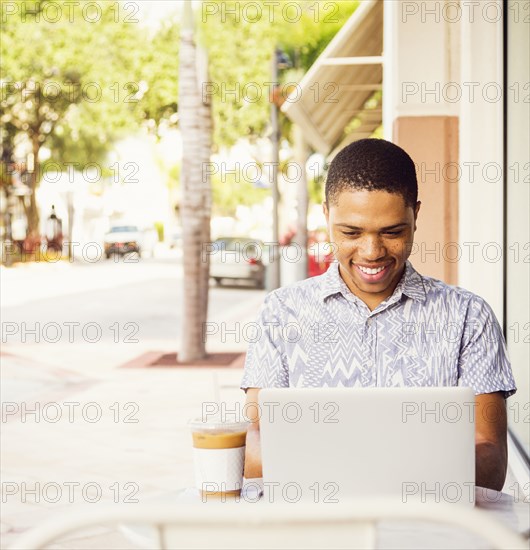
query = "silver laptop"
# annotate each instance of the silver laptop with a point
(406, 444)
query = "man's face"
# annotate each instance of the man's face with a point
(372, 232)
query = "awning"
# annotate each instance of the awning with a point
(339, 99)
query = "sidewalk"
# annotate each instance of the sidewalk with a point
(121, 438)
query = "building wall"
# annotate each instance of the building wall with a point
(481, 157)
(443, 102)
(517, 223)
(433, 142)
(419, 61)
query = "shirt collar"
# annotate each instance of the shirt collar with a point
(410, 284)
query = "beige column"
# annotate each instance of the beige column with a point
(421, 67)
(432, 142)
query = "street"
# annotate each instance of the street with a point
(92, 317)
(73, 421)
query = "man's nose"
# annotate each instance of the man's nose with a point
(372, 249)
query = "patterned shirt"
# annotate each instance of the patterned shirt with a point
(317, 333)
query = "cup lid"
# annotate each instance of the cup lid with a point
(218, 423)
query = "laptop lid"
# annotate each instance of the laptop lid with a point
(408, 444)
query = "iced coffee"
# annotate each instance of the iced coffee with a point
(219, 456)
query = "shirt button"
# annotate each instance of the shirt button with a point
(369, 322)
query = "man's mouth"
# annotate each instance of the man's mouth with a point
(372, 274)
(371, 270)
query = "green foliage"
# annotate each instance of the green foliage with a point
(240, 52)
(94, 80)
(157, 72)
(315, 190)
(306, 39)
(68, 72)
(159, 226)
(173, 177)
(135, 74)
(230, 190)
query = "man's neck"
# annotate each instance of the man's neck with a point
(372, 300)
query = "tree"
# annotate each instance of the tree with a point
(196, 127)
(158, 74)
(241, 37)
(65, 83)
(240, 49)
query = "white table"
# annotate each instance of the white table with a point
(393, 535)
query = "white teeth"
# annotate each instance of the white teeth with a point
(370, 271)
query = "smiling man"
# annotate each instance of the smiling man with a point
(372, 320)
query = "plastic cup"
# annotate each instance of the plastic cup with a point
(218, 456)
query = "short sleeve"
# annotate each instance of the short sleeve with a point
(483, 363)
(265, 364)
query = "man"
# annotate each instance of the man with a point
(372, 320)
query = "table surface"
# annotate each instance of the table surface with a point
(395, 535)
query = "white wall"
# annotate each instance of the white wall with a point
(419, 61)
(439, 60)
(518, 224)
(426, 49)
(481, 159)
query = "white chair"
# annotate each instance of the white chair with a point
(348, 524)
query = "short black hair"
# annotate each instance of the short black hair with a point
(372, 165)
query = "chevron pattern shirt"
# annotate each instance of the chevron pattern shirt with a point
(317, 333)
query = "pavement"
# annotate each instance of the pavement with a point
(89, 441)
(77, 429)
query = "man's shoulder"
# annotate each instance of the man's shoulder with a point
(435, 288)
(310, 288)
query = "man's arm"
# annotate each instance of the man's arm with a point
(253, 449)
(491, 449)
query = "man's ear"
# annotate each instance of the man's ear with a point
(416, 210)
(326, 211)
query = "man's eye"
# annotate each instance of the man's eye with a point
(351, 234)
(393, 233)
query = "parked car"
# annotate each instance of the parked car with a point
(122, 239)
(237, 258)
(175, 239)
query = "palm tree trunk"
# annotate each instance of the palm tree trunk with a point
(31, 211)
(301, 152)
(196, 128)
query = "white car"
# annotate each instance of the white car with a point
(237, 258)
(122, 239)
